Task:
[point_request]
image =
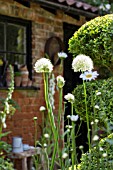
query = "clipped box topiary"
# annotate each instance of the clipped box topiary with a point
(95, 39)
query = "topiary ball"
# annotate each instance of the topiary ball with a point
(95, 39)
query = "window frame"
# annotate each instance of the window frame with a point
(28, 25)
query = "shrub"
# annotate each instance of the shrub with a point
(94, 39)
(104, 101)
(100, 157)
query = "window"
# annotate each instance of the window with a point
(15, 43)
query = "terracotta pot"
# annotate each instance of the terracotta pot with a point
(8, 77)
(18, 80)
(24, 75)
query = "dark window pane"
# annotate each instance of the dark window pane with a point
(16, 38)
(16, 58)
(2, 38)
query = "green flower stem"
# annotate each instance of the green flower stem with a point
(59, 123)
(60, 109)
(87, 117)
(73, 141)
(49, 108)
(35, 124)
(51, 118)
(0, 131)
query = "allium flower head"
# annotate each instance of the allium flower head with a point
(81, 147)
(101, 149)
(42, 108)
(43, 65)
(70, 97)
(96, 107)
(89, 75)
(74, 118)
(82, 63)
(35, 118)
(46, 135)
(68, 116)
(104, 155)
(60, 81)
(62, 55)
(65, 155)
(96, 138)
(98, 93)
(92, 123)
(96, 120)
(45, 145)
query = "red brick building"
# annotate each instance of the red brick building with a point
(39, 20)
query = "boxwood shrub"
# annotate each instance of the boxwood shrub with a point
(95, 39)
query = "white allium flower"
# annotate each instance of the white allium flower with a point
(89, 75)
(81, 147)
(96, 120)
(92, 123)
(96, 107)
(82, 63)
(68, 130)
(43, 65)
(68, 116)
(42, 108)
(69, 97)
(60, 81)
(96, 138)
(45, 145)
(74, 118)
(35, 118)
(65, 155)
(46, 135)
(101, 149)
(62, 55)
(69, 126)
(104, 155)
(98, 93)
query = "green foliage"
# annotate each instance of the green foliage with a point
(5, 149)
(97, 2)
(5, 164)
(94, 39)
(95, 159)
(17, 74)
(104, 101)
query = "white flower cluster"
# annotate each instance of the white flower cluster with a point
(74, 118)
(52, 90)
(42, 108)
(82, 63)
(62, 55)
(8, 108)
(70, 97)
(43, 65)
(60, 81)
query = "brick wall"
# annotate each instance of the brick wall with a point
(44, 25)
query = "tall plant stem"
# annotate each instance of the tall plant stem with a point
(51, 118)
(73, 140)
(59, 121)
(0, 131)
(87, 117)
